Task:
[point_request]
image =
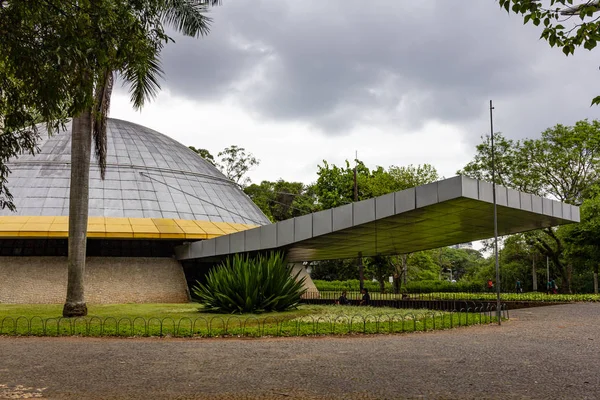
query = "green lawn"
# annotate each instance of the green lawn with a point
(187, 320)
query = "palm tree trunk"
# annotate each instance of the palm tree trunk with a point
(78, 213)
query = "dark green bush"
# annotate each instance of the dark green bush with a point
(249, 285)
(442, 286)
(352, 285)
(410, 287)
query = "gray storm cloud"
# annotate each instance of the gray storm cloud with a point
(347, 62)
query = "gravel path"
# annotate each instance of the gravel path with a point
(541, 353)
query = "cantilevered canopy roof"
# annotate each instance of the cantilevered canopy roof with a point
(451, 211)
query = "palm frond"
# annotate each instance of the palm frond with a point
(143, 76)
(188, 16)
(100, 114)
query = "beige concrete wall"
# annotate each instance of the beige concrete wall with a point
(107, 280)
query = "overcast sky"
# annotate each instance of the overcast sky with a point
(297, 82)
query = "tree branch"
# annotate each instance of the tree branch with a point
(574, 10)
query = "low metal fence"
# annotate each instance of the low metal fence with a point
(399, 301)
(378, 299)
(249, 326)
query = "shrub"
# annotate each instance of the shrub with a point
(351, 285)
(442, 286)
(249, 285)
(411, 287)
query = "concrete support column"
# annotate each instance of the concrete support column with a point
(311, 289)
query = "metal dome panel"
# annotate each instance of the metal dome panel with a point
(148, 175)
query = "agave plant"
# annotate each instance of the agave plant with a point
(244, 284)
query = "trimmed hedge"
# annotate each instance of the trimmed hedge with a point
(410, 287)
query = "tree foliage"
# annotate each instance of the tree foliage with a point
(57, 59)
(335, 185)
(334, 270)
(33, 86)
(205, 154)
(565, 24)
(429, 265)
(235, 163)
(562, 164)
(583, 241)
(413, 175)
(379, 268)
(283, 200)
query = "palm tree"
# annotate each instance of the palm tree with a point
(139, 67)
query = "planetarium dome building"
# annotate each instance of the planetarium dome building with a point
(157, 194)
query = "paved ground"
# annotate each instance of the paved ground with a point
(541, 353)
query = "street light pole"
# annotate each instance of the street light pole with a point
(361, 268)
(498, 311)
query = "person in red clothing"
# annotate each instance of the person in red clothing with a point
(490, 285)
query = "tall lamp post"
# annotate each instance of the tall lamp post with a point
(498, 311)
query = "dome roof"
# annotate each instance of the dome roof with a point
(148, 175)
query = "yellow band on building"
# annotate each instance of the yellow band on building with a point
(117, 228)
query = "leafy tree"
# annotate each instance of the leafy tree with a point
(379, 268)
(86, 43)
(459, 261)
(399, 270)
(335, 185)
(235, 164)
(422, 266)
(134, 52)
(411, 175)
(508, 159)
(34, 86)
(282, 200)
(583, 239)
(518, 258)
(566, 24)
(562, 164)
(334, 270)
(205, 154)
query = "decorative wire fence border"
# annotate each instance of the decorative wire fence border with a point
(238, 326)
